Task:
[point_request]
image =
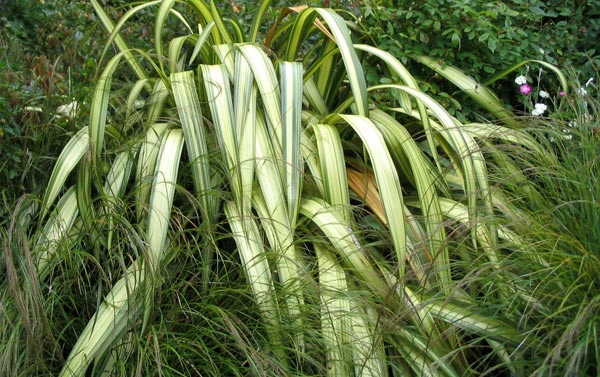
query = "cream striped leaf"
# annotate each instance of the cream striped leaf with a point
(65, 163)
(403, 145)
(118, 175)
(461, 315)
(397, 68)
(302, 26)
(367, 342)
(344, 240)
(268, 86)
(226, 57)
(114, 187)
(121, 304)
(190, 114)
(464, 153)
(313, 97)
(99, 108)
(56, 228)
(161, 16)
(245, 99)
(354, 70)
(108, 324)
(201, 43)
(158, 97)
(288, 264)
(258, 20)
(422, 357)
(216, 84)
(291, 110)
(175, 59)
(159, 213)
(134, 98)
(146, 166)
(477, 91)
(333, 168)
(253, 257)
(388, 183)
(335, 313)
(275, 215)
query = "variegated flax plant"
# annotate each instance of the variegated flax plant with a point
(244, 205)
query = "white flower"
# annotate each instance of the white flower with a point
(139, 103)
(544, 94)
(582, 91)
(590, 81)
(68, 111)
(520, 80)
(540, 108)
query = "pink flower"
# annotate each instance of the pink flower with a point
(562, 94)
(525, 89)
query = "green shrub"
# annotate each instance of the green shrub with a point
(46, 60)
(484, 38)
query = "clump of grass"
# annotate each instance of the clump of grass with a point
(560, 262)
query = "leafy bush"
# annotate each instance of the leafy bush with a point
(27, 88)
(47, 60)
(484, 38)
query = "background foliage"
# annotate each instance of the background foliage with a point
(484, 38)
(44, 64)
